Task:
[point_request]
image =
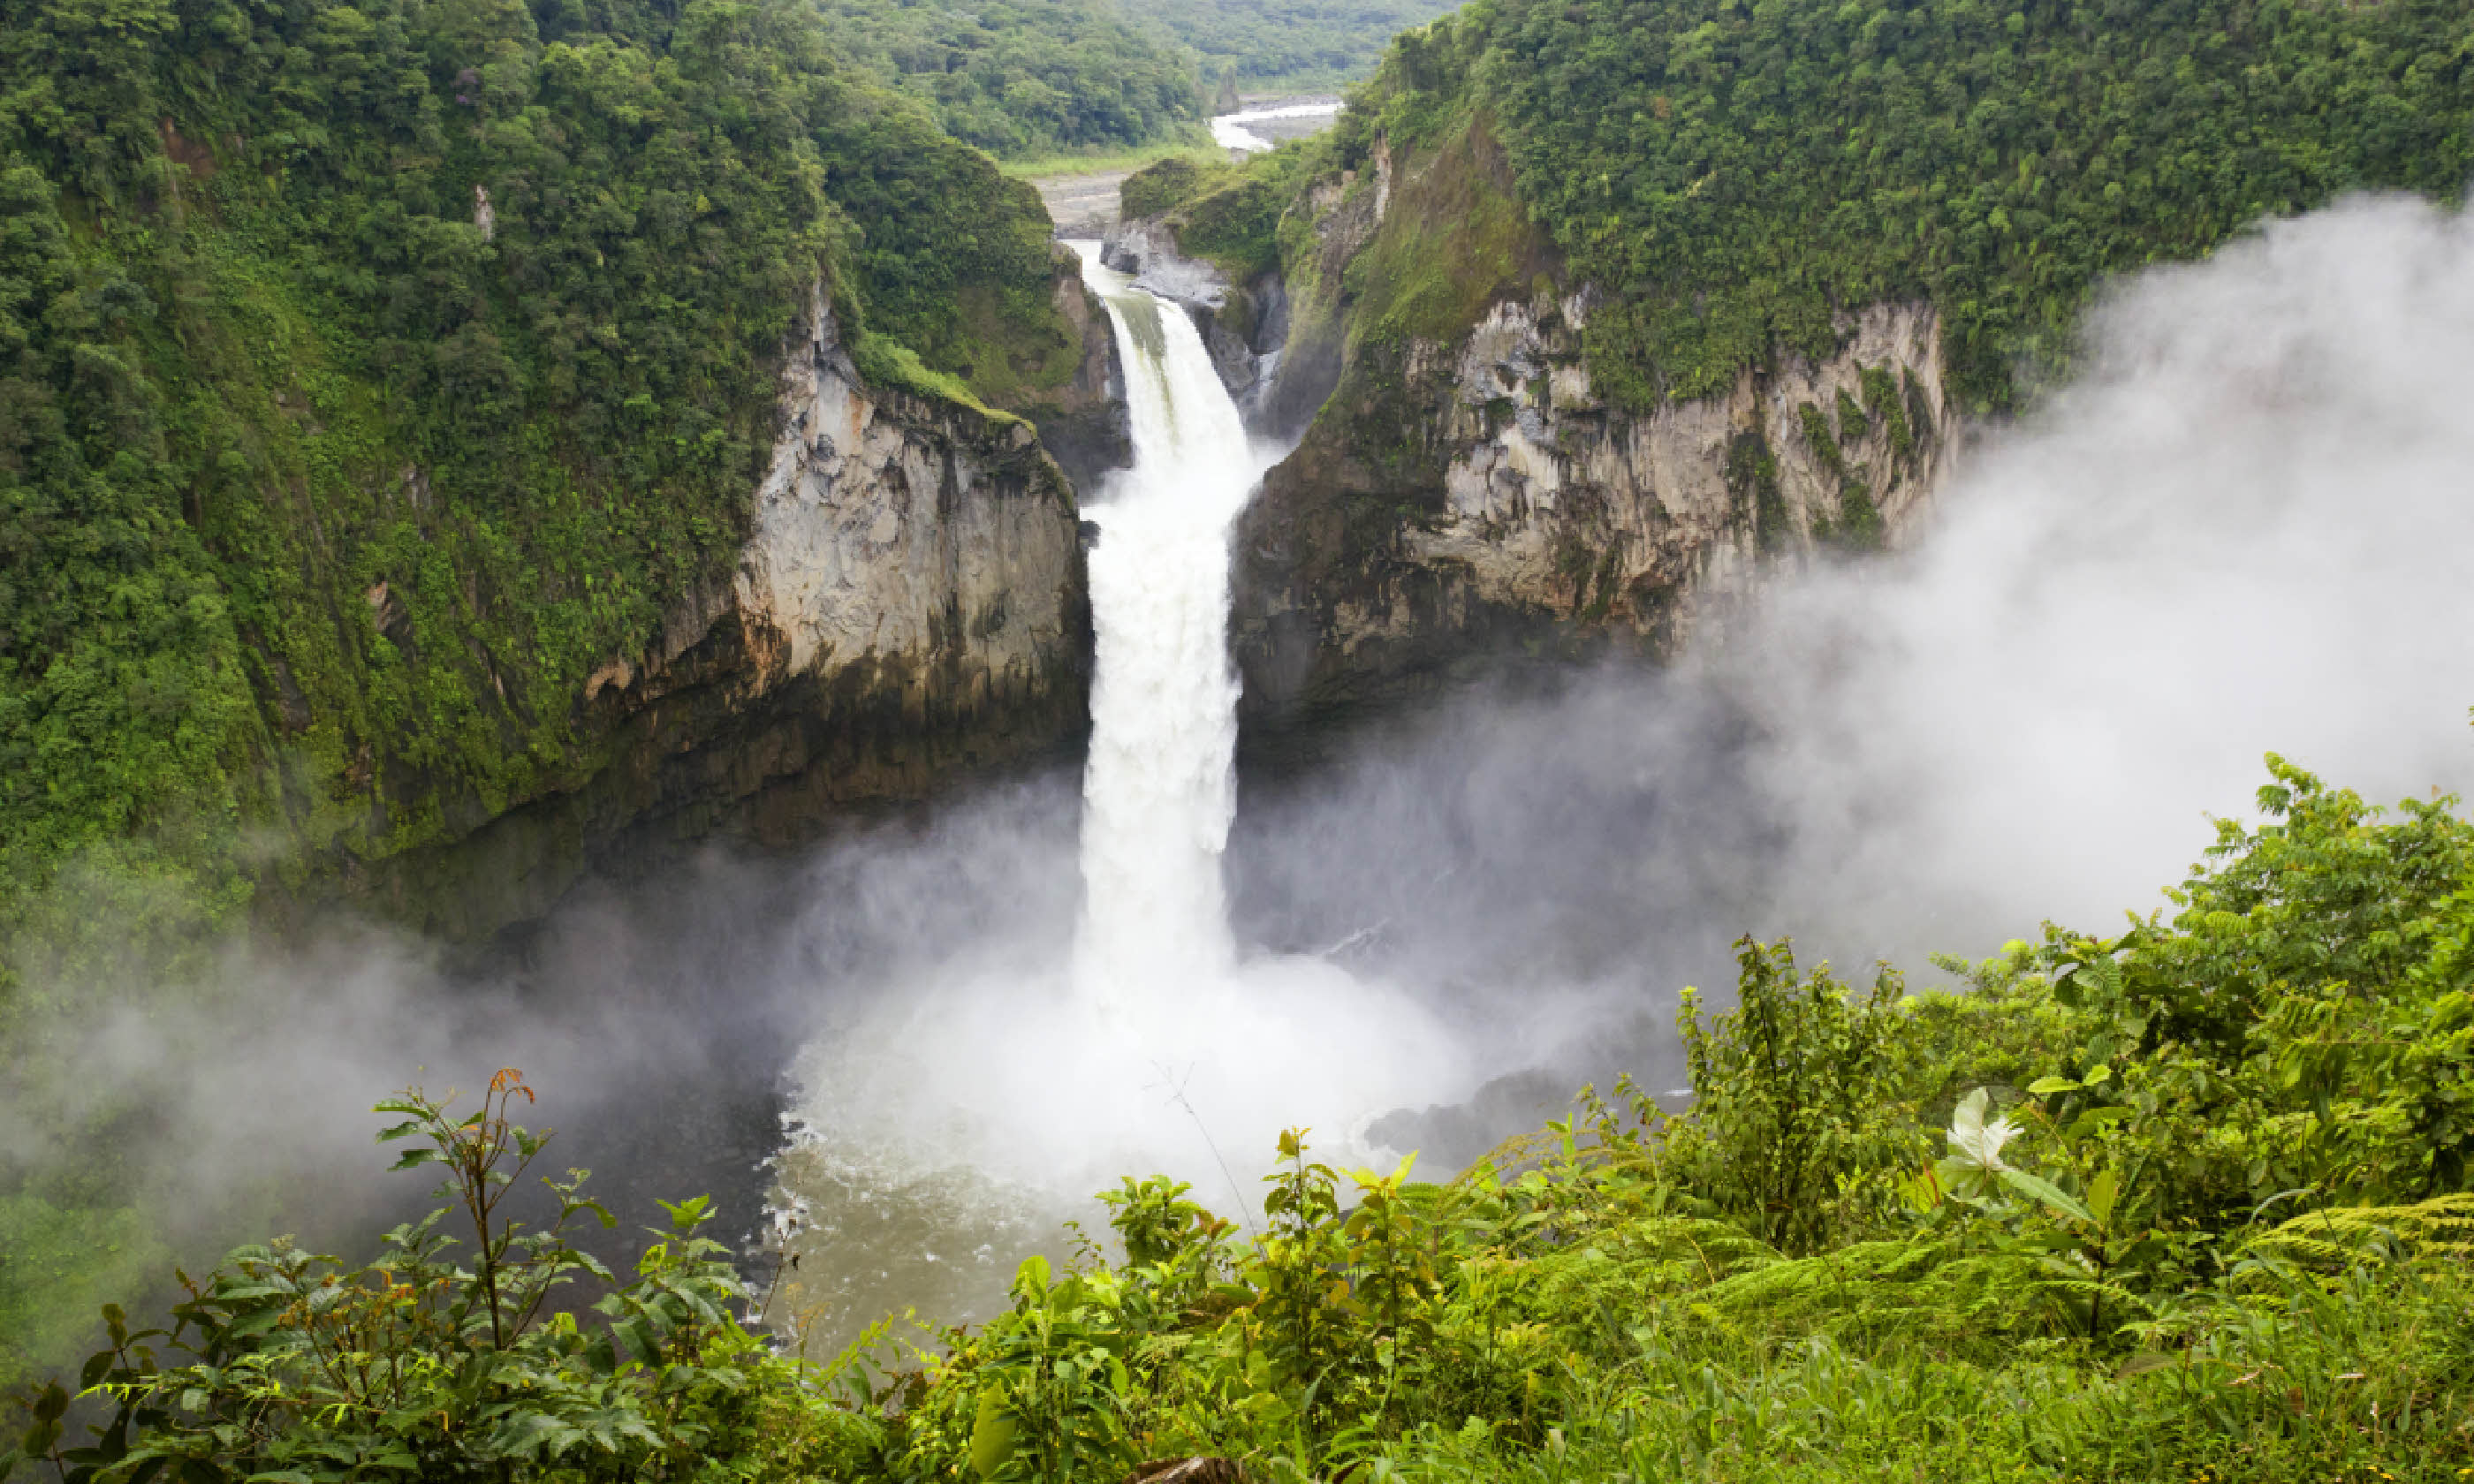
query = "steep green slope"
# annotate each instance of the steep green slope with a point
(371, 376)
(1747, 222)
(1291, 45)
(1026, 77)
(370, 373)
(1730, 175)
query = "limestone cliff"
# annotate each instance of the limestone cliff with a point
(1467, 494)
(910, 601)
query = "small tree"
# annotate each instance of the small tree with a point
(420, 1367)
(1789, 1094)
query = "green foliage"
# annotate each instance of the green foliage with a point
(1945, 1236)
(1733, 176)
(1431, 272)
(1886, 403)
(1753, 483)
(1227, 213)
(323, 489)
(1789, 1083)
(1857, 524)
(1818, 437)
(368, 376)
(60, 1261)
(1025, 77)
(1289, 46)
(2011, 1233)
(419, 1366)
(1165, 185)
(1860, 526)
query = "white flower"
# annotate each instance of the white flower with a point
(1974, 1141)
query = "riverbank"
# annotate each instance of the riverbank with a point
(1081, 191)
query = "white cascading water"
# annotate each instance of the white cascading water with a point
(955, 1117)
(1160, 791)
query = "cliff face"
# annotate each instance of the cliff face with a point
(1465, 492)
(910, 602)
(1244, 325)
(1084, 424)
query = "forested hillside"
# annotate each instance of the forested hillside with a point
(370, 372)
(1291, 46)
(1709, 214)
(1026, 76)
(370, 375)
(1729, 175)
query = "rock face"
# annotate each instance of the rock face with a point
(910, 602)
(1468, 496)
(1086, 426)
(1244, 328)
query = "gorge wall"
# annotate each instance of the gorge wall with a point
(1462, 492)
(910, 603)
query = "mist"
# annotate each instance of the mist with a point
(2242, 528)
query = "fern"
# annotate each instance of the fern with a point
(1600, 1287)
(1924, 1285)
(2337, 1237)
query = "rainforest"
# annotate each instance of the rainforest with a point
(1706, 741)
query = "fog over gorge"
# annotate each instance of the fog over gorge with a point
(1237, 742)
(2242, 529)
(2239, 530)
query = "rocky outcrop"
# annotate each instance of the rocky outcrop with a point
(1086, 425)
(910, 603)
(1244, 328)
(1468, 496)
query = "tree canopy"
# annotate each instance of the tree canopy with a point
(1731, 176)
(371, 371)
(1291, 45)
(1026, 77)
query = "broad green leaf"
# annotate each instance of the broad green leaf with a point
(992, 1433)
(2037, 1189)
(2102, 1192)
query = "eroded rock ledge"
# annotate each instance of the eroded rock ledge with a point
(1471, 498)
(1244, 326)
(910, 604)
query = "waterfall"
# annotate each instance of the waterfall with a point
(955, 1114)
(1159, 789)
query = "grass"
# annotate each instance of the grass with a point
(1454, 240)
(1196, 146)
(886, 362)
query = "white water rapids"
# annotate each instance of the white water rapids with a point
(951, 1121)
(1230, 130)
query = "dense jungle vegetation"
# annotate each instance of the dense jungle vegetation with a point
(1046, 78)
(1029, 77)
(2185, 1203)
(370, 373)
(1730, 176)
(1291, 46)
